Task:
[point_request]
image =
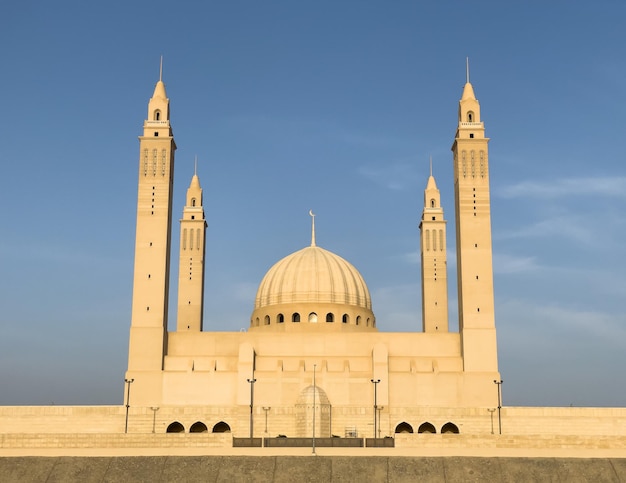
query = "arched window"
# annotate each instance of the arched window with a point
(256, 322)
(157, 115)
(345, 319)
(330, 317)
(432, 203)
(426, 428)
(470, 116)
(175, 427)
(449, 428)
(198, 427)
(404, 428)
(313, 318)
(221, 427)
(295, 317)
(280, 319)
(193, 202)
(367, 323)
(267, 320)
(358, 320)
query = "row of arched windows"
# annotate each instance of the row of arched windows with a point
(428, 428)
(313, 318)
(198, 427)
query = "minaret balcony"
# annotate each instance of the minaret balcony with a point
(156, 123)
(471, 124)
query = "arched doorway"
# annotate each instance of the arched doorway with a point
(198, 427)
(404, 428)
(449, 428)
(221, 427)
(426, 428)
(175, 427)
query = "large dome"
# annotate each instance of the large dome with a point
(313, 275)
(313, 285)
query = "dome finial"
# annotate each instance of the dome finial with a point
(161, 70)
(467, 70)
(195, 166)
(312, 227)
(431, 164)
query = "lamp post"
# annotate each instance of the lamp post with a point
(128, 383)
(266, 409)
(375, 382)
(491, 411)
(499, 384)
(379, 408)
(251, 381)
(314, 368)
(154, 411)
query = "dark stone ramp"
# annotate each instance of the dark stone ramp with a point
(309, 469)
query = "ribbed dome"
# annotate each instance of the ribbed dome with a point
(313, 275)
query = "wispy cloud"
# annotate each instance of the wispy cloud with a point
(614, 187)
(393, 176)
(503, 263)
(570, 227)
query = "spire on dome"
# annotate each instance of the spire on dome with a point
(312, 227)
(468, 90)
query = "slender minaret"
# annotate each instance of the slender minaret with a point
(434, 261)
(191, 265)
(148, 331)
(473, 237)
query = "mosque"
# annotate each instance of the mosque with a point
(313, 361)
(313, 335)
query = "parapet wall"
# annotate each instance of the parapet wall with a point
(310, 469)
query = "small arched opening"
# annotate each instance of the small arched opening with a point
(313, 318)
(345, 319)
(404, 427)
(193, 202)
(330, 317)
(426, 428)
(280, 319)
(221, 427)
(267, 320)
(470, 116)
(198, 427)
(175, 427)
(157, 115)
(358, 320)
(449, 428)
(295, 317)
(432, 203)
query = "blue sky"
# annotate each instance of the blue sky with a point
(330, 106)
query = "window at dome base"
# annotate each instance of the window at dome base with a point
(267, 320)
(295, 317)
(280, 319)
(330, 318)
(313, 318)
(358, 320)
(345, 319)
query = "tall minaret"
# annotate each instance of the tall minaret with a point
(473, 237)
(148, 331)
(434, 261)
(191, 266)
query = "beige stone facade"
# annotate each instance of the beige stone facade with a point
(314, 359)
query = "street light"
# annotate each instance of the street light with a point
(251, 381)
(154, 411)
(375, 382)
(491, 411)
(266, 409)
(314, 367)
(499, 384)
(128, 383)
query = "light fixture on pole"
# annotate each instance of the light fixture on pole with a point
(154, 411)
(491, 411)
(128, 383)
(499, 384)
(251, 381)
(314, 367)
(375, 382)
(266, 409)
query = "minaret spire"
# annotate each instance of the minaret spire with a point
(195, 166)
(161, 70)
(312, 227)
(467, 79)
(431, 165)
